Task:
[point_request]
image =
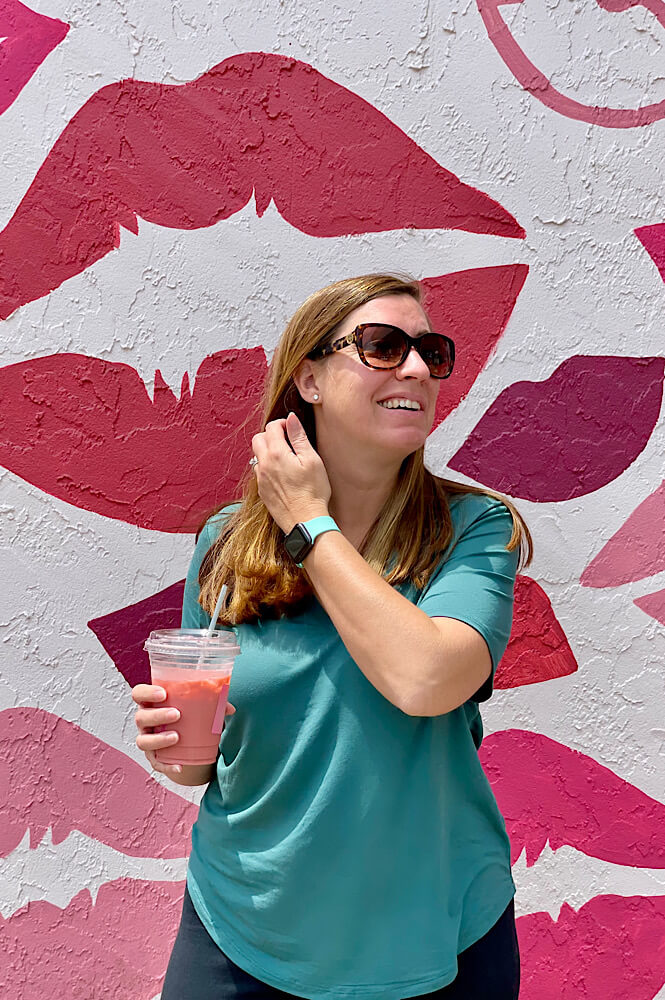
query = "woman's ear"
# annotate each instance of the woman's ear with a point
(306, 380)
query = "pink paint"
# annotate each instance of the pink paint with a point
(538, 649)
(569, 435)
(122, 633)
(636, 550)
(612, 948)
(86, 431)
(652, 239)
(473, 307)
(653, 605)
(186, 156)
(201, 698)
(116, 949)
(537, 84)
(549, 793)
(56, 775)
(28, 38)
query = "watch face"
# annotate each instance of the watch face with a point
(298, 543)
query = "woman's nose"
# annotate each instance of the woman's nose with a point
(413, 366)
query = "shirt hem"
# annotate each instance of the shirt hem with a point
(389, 991)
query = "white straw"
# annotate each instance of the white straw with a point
(218, 608)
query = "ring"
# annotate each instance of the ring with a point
(253, 460)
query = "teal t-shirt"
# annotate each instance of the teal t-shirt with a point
(346, 849)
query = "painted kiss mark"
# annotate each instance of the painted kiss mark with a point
(549, 793)
(538, 649)
(636, 550)
(652, 239)
(473, 307)
(56, 775)
(610, 949)
(568, 435)
(117, 947)
(653, 605)
(537, 84)
(27, 39)
(86, 431)
(122, 633)
(187, 156)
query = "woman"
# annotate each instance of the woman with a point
(348, 843)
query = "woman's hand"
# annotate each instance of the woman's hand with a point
(291, 477)
(147, 697)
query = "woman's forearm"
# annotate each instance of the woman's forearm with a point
(395, 644)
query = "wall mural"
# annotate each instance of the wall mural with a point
(90, 433)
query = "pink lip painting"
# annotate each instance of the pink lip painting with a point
(537, 84)
(57, 776)
(187, 156)
(27, 39)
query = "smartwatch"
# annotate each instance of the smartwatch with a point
(300, 541)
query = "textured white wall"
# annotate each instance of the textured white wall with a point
(168, 298)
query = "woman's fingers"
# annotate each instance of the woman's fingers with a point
(146, 718)
(148, 693)
(168, 769)
(156, 741)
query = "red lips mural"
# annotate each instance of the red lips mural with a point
(187, 156)
(27, 39)
(86, 430)
(537, 84)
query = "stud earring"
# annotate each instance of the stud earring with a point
(316, 396)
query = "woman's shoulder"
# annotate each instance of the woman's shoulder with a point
(468, 507)
(216, 522)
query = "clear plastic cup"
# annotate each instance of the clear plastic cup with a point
(194, 669)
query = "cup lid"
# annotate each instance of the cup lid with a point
(193, 641)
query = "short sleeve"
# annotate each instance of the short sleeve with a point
(193, 615)
(475, 584)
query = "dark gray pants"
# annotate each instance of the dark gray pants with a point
(199, 970)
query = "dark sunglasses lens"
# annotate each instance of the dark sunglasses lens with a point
(436, 352)
(383, 346)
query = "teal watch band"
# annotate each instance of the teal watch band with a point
(299, 542)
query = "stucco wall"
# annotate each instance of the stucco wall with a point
(512, 157)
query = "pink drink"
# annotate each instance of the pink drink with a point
(195, 671)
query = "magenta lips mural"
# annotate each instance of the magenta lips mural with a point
(537, 84)
(186, 156)
(589, 421)
(27, 39)
(613, 946)
(653, 240)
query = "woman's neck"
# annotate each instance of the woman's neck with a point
(358, 496)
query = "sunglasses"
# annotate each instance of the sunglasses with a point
(381, 345)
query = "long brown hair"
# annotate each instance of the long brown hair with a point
(415, 521)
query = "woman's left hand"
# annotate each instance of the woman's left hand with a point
(293, 484)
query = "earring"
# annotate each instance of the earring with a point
(316, 396)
